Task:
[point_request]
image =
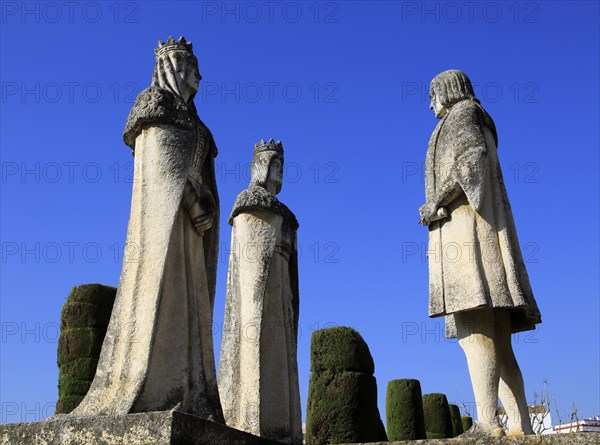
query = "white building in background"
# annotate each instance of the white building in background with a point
(591, 425)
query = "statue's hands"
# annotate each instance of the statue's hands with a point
(202, 220)
(427, 211)
(200, 209)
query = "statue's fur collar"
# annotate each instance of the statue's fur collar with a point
(255, 197)
(156, 106)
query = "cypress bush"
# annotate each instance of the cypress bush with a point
(83, 323)
(340, 349)
(404, 410)
(457, 428)
(438, 424)
(467, 423)
(342, 393)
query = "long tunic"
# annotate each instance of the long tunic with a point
(258, 372)
(474, 256)
(158, 351)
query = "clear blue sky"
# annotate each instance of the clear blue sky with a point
(344, 86)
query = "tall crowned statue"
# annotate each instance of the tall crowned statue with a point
(477, 277)
(158, 351)
(258, 372)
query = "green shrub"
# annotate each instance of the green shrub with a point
(93, 294)
(342, 393)
(84, 321)
(404, 410)
(437, 416)
(340, 349)
(467, 422)
(457, 428)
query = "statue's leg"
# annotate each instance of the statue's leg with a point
(476, 332)
(511, 389)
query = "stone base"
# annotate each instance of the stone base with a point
(157, 428)
(548, 439)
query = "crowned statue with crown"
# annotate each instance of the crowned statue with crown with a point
(258, 372)
(158, 351)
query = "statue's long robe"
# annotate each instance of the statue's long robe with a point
(258, 372)
(158, 351)
(474, 256)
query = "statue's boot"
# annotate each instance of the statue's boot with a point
(514, 433)
(480, 429)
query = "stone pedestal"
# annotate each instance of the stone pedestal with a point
(549, 439)
(156, 428)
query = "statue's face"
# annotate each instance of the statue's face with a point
(276, 172)
(438, 109)
(192, 77)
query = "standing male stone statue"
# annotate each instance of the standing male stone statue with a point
(477, 277)
(258, 372)
(158, 351)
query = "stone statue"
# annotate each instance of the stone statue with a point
(477, 278)
(158, 351)
(258, 372)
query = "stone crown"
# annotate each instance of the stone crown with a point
(263, 146)
(173, 45)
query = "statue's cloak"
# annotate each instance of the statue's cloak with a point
(158, 351)
(258, 372)
(474, 256)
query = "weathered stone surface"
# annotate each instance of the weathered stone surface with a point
(158, 351)
(549, 439)
(342, 402)
(480, 284)
(404, 410)
(258, 372)
(154, 428)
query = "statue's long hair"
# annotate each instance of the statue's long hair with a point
(452, 86)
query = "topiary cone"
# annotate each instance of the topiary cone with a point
(404, 410)
(467, 423)
(455, 419)
(83, 324)
(438, 424)
(342, 393)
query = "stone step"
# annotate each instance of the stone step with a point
(156, 428)
(548, 439)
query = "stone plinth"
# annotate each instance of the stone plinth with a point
(156, 428)
(549, 439)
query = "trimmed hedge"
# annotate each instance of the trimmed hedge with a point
(457, 428)
(80, 368)
(340, 349)
(70, 386)
(67, 404)
(94, 294)
(83, 324)
(404, 410)
(467, 423)
(438, 424)
(80, 343)
(85, 315)
(342, 393)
